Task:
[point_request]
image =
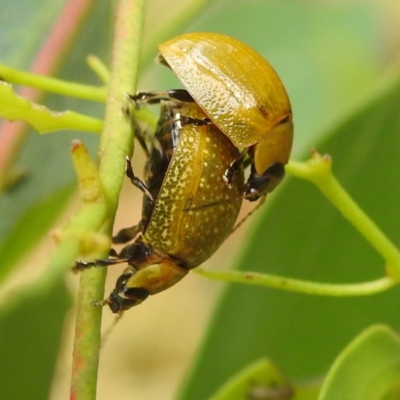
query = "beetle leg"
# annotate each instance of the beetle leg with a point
(141, 98)
(143, 136)
(234, 167)
(180, 95)
(135, 180)
(259, 185)
(142, 132)
(81, 265)
(124, 297)
(127, 234)
(135, 251)
(181, 120)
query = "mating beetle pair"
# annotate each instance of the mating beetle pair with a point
(194, 180)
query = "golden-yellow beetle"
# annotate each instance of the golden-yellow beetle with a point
(188, 210)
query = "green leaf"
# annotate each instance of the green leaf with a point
(43, 120)
(29, 228)
(366, 369)
(262, 380)
(31, 324)
(20, 40)
(259, 374)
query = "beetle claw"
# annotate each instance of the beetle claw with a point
(100, 303)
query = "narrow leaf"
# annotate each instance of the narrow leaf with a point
(43, 120)
(366, 369)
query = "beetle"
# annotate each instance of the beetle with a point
(241, 94)
(163, 145)
(188, 211)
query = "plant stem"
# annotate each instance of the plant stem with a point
(300, 286)
(52, 85)
(99, 68)
(116, 143)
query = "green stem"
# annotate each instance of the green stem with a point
(318, 170)
(53, 85)
(99, 68)
(296, 285)
(116, 143)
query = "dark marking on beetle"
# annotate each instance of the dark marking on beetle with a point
(212, 204)
(286, 118)
(277, 170)
(160, 59)
(182, 120)
(180, 95)
(140, 98)
(262, 110)
(235, 166)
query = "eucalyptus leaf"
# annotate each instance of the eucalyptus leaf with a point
(367, 369)
(29, 229)
(43, 120)
(258, 375)
(31, 324)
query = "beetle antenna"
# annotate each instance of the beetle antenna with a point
(107, 333)
(249, 214)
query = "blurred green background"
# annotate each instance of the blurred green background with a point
(336, 59)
